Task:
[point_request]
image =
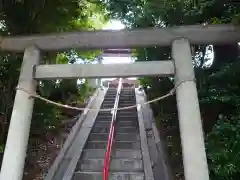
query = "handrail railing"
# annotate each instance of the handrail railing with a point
(111, 134)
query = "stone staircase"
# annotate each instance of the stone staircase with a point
(126, 157)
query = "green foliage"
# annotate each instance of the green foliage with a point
(224, 148)
(1, 148)
(85, 91)
(45, 117)
(24, 17)
(221, 93)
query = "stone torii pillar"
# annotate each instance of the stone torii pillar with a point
(191, 131)
(18, 134)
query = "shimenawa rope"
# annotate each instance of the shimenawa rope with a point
(170, 93)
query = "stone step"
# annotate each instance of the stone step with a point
(119, 153)
(121, 111)
(107, 106)
(120, 102)
(116, 145)
(119, 118)
(130, 94)
(127, 105)
(127, 118)
(122, 95)
(123, 91)
(127, 92)
(130, 108)
(112, 91)
(108, 102)
(110, 94)
(128, 114)
(118, 123)
(118, 129)
(125, 101)
(127, 111)
(127, 95)
(132, 115)
(127, 124)
(118, 137)
(110, 97)
(103, 118)
(104, 113)
(116, 164)
(112, 176)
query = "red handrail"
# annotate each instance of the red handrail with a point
(111, 134)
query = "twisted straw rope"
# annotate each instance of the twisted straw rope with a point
(37, 96)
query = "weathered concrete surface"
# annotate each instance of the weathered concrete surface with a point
(112, 176)
(158, 159)
(63, 159)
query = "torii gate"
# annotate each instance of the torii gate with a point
(194, 156)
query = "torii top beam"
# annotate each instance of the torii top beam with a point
(196, 34)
